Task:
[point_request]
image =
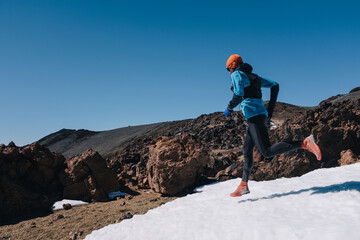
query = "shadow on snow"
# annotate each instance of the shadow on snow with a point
(346, 186)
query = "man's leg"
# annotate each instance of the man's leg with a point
(260, 136)
(248, 148)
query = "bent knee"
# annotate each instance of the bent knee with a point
(266, 153)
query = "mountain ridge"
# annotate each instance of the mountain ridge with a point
(71, 142)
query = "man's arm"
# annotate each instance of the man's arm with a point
(236, 100)
(273, 97)
(238, 90)
(274, 86)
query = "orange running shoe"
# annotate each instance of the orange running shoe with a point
(242, 189)
(310, 145)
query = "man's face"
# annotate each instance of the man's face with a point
(231, 70)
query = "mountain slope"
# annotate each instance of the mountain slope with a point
(322, 204)
(75, 142)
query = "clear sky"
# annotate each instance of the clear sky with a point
(104, 64)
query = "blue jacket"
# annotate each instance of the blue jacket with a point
(251, 106)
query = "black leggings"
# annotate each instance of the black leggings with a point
(257, 135)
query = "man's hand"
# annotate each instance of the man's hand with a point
(227, 112)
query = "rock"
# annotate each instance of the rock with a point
(233, 171)
(88, 178)
(175, 164)
(28, 180)
(57, 217)
(128, 197)
(76, 235)
(67, 206)
(347, 157)
(124, 216)
(337, 128)
(355, 90)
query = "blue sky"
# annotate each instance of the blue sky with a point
(102, 65)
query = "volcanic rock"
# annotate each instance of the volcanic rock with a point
(175, 164)
(336, 125)
(348, 157)
(28, 179)
(67, 206)
(355, 90)
(124, 216)
(88, 178)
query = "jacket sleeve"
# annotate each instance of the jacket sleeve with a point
(274, 86)
(238, 89)
(236, 100)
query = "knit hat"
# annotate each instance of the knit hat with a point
(233, 61)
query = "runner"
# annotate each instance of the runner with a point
(246, 87)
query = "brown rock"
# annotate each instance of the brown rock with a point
(124, 216)
(174, 164)
(76, 235)
(67, 206)
(128, 197)
(347, 157)
(57, 217)
(88, 178)
(355, 90)
(28, 179)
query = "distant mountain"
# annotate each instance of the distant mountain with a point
(74, 142)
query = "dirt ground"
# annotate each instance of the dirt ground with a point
(80, 221)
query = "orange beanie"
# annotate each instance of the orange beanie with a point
(233, 61)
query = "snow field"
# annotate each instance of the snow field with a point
(323, 204)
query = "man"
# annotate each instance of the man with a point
(246, 87)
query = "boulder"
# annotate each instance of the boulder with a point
(348, 157)
(175, 164)
(28, 179)
(88, 178)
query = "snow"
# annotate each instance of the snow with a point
(59, 205)
(323, 204)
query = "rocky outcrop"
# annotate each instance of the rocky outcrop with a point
(175, 164)
(32, 179)
(335, 122)
(28, 179)
(88, 178)
(337, 128)
(355, 90)
(220, 136)
(348, 157)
